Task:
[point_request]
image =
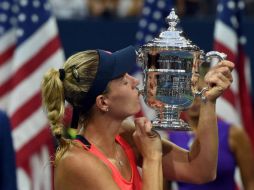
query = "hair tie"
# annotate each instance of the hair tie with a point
(61, 74)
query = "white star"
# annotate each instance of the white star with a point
(152, 27)
(242, 40)
(231, 5)
(143, 23)
(3, 17)
(139, 35)
(146, 11)
(157, 15)
(234, 21)
(241, 5)
(34, 18)
(36, 4)
(5, 5)
(23, 3)
(220, 8)
(47, 6)
(161, 4)
(148, 38)
(15, 9)
(22, 17)
(20, 32)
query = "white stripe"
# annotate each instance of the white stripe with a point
(31, 85)
(31, 127)
(5, 71)
(247, 73)
(226, 111)
(225, 35)
(33, 44)
(234, 86)
(7, 40)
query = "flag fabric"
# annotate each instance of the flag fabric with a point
(151, 23)
(152, 20)
(29, 45)
(235, 106)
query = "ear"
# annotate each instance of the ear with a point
(102, 103)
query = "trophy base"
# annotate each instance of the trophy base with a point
(172, 125)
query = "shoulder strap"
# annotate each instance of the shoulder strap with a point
(84, 141)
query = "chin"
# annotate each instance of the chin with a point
(137, 111)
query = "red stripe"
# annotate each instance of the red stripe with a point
(228, 94)
(218, 46)
(246, 103)
(7, 54)
(230, 97)
(30, 66)
(44, 138)
(26, 110)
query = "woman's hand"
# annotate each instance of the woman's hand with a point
(147, 141)
(149, 145)
(219, 78)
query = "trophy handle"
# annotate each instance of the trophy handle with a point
(211, 56)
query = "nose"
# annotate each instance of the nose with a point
(135, 81)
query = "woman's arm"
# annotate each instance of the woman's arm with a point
(240, 145)
(200, 163)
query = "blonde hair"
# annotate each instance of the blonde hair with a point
(55, 91)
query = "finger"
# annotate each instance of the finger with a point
(218, 79)
(147, 127)
(226, 63)
(138, 122)
(219, 72)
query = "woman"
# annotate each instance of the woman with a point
(106, 153)
(234, 151)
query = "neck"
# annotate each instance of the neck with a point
(102, 131)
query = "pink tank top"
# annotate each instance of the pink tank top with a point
(135, 182)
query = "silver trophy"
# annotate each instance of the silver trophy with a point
(170, 66)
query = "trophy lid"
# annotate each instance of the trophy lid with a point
(173, 37)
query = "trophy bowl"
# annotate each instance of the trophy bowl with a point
(170, 65)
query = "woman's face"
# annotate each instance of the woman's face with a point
(193, 111)
(123, 96)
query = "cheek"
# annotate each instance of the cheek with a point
(128, 102)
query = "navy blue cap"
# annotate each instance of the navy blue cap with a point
(111, 66)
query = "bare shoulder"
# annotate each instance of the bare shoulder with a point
(80, 167)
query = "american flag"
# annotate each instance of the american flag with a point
(29, 45)
(235, 106)
(152, 20)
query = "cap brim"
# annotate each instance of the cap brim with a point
(125, 61)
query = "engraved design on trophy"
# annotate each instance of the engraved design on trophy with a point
(170, 64)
